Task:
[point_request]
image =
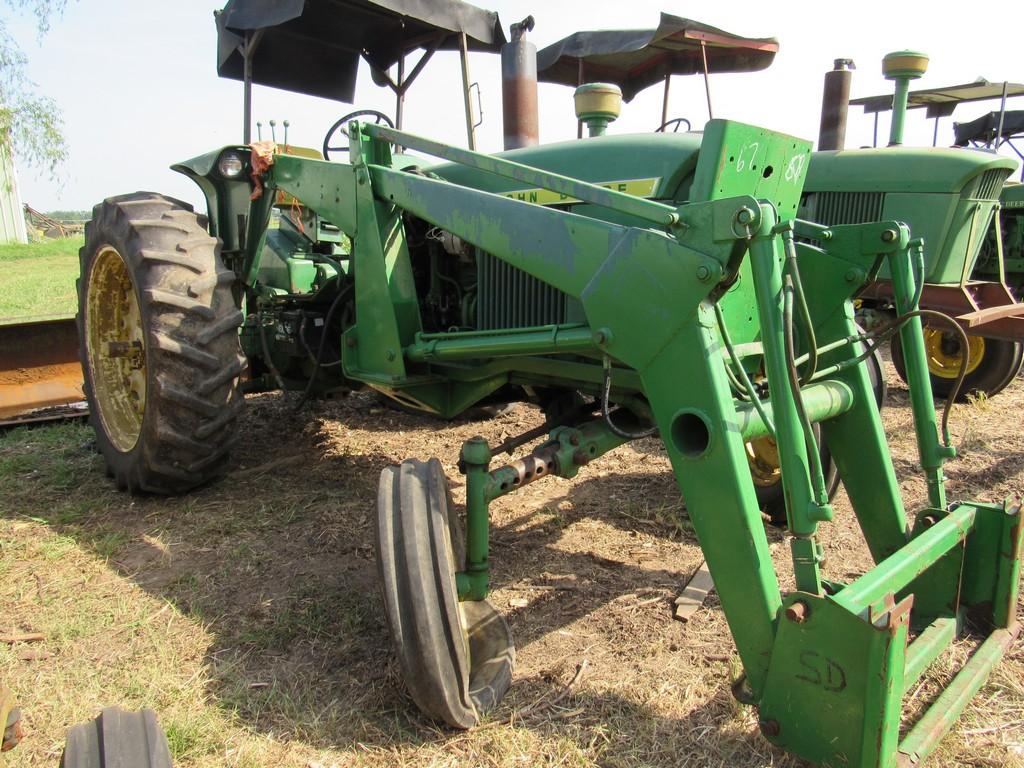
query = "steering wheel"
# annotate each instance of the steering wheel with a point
(341, 127)
(677, 121)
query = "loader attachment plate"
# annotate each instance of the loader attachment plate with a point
(39, 366)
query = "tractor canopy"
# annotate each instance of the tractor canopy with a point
(634, 59)
(314, 46)
(941, 102)
(984, 128)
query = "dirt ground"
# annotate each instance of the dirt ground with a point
(247, 614)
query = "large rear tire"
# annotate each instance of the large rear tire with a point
(456, 658)
(158, 341)
(992, 364)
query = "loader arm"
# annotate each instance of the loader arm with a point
(828, 664)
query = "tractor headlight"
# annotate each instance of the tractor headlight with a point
(230, 165)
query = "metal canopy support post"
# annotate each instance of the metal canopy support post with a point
(252, 40)
(400, 92)
(707, 82)
(664, 100)
(874, 135)
(403, 83)
(464, 56)
(1002, 114)
(935, 133)
(579, 81)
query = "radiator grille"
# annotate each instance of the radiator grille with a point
(991, 184)
(510, 298)
(836, 208)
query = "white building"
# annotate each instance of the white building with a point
(12, 214)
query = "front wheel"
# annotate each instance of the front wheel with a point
(158, 342)
(456, 657)
(763, 456)
(992, 364)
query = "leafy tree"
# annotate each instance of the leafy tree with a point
(61, 215)
(30, 122)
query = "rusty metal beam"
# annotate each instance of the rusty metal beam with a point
(982, 308)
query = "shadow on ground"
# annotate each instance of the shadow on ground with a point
(277, 561)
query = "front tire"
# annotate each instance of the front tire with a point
(992, 364)
(456, 657)
(117, 739)
(762, 456)
(158, 342)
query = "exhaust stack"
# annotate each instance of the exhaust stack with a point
(519, 88)
(835, 102)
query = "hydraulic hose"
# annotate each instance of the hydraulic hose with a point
(813, 454)
(741, 372)
(323, 345)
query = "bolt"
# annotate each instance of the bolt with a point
(853, 275)
(580, 458)
(574, 439)
(390, 355)
(797, 613)
(744, 215)
(888, 235)
(770, 727)
(703, 273)
(350, 342)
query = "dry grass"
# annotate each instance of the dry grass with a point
(247, 614)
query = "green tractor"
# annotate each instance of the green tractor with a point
(1002, 256)
(949, 196)
(700, 310)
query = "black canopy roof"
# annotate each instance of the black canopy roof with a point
(314, 46)
(985, 127)
(634, 59)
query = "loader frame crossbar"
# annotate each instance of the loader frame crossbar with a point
(828, 664)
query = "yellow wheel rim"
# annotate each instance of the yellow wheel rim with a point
(116, 349)
(763, 457)
(942, 348)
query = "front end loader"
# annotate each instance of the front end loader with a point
(702, 311)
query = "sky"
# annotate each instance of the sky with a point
(137, 85)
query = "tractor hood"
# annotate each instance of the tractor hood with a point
(646, 165)
(900, 169)
(1012, 195)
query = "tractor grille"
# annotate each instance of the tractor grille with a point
(991, 184)
(836, 208)
(510, 298)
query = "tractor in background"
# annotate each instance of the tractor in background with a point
(965, 273)
(631, 286)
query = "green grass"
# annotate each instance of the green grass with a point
(38, 278)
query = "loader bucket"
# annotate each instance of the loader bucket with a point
(39, 367)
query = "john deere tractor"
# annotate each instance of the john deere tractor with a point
(701, 311)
